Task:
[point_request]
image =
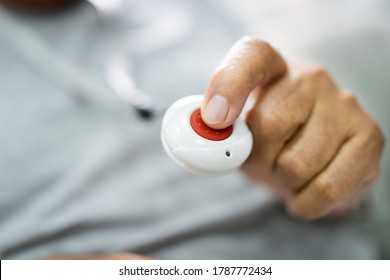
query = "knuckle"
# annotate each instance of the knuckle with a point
(292, 166)
(322, 200)
(255, 42)
(262, 48)
(260, 54)
(373, 135)
(327, 194)
(264, 125)
(318, 74)
(272, 125)
(348, 98)
(377, 133)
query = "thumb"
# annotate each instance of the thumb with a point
(249, 63)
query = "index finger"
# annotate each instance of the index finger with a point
(249, 63)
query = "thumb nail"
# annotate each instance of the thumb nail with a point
(216, 110)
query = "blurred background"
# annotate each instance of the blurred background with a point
(70, 69)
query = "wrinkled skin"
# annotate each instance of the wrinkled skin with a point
(313, 144)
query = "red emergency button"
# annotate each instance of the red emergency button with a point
(207, 132)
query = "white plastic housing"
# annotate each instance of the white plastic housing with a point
(199, 155)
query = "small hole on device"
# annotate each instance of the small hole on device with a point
(228, 154)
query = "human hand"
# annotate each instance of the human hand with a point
(313, 143)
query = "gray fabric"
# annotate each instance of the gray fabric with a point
(80, 174)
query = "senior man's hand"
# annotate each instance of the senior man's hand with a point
(313, 143)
